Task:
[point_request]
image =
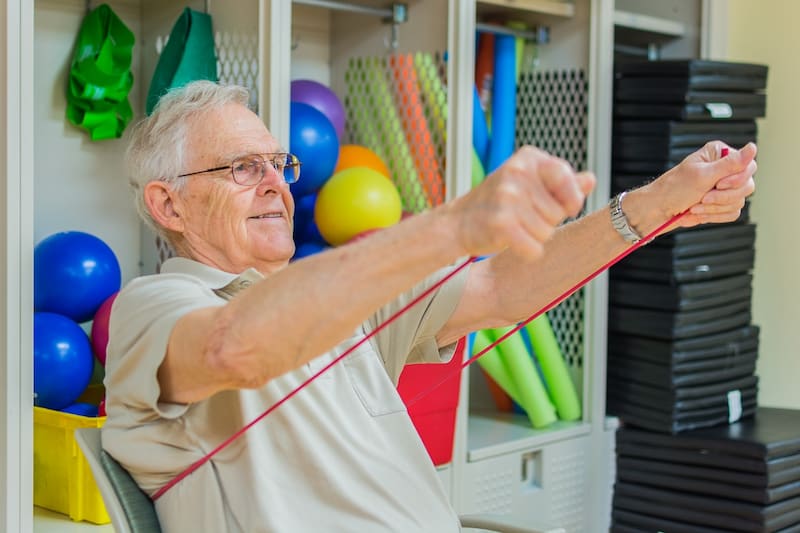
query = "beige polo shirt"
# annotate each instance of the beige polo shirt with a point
(341, 455)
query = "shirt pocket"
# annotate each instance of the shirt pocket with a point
(371, 383)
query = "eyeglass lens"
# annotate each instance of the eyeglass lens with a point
(251, 169)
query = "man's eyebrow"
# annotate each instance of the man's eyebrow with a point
(228, 158)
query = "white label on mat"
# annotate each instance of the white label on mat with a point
(734, 406)
(720, 110)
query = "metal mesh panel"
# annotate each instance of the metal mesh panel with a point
(237, 62)
(552, 114)
(397, 107)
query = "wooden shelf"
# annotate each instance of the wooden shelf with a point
(648, 24)
(544, 7)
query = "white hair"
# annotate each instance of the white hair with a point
(158, 142)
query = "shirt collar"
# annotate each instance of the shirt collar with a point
(212, 277)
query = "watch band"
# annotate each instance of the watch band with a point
(620, 221)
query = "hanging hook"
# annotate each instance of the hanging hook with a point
(205, 7)
(393, 41)
(399, 16)
(88, 6)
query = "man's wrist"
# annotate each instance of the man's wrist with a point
(620, 220)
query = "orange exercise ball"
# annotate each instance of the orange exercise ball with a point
(353, 201)
(354, 155)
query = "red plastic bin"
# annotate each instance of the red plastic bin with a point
(434, 415)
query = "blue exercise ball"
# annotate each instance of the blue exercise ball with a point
(62, 360)
(312, 138)
(309, 248)
(305, 227)
(73, 274)
(82, 409)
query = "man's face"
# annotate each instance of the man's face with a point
(228, 225)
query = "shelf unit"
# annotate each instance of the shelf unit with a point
(558, 475)
(658, 29)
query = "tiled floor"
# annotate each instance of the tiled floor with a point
(45, 521)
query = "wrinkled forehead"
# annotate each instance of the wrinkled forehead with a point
(222, 134)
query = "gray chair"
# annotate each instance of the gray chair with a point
(132, 511)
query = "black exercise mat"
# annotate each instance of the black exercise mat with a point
(645, 417)
(629, 522)
(649, 167)
(680, 368)
(683, 297)
(686, 68)
(626, 182)
(651, 398)
(701, 82)
(690, 111)
(709, 473)
(776, 471)
(692, 241)
(707, 511)
(728, 343)
(661, 148)
(706, 487)
(664, 377)
(771, 433)
(706, 250)
(678, 325)
(655, 268)
(681, 133)
(665, 399)
(667, 95)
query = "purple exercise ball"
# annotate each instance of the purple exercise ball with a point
(321, 98)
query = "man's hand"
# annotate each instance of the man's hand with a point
(520, 204)
(711, 187)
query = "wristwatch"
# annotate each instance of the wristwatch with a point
(620, 221)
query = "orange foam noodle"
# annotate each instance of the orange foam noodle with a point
(418, 134)
(381, 123)
(484, 70)
(501, 399)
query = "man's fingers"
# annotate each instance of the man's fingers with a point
(564, 185)
(734, 181)
(737, 160)
(586, 182)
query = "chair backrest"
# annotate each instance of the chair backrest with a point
(130, 509)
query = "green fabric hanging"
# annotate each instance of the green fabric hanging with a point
(100, 78)
(188, 55)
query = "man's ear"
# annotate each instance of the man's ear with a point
(160, 198)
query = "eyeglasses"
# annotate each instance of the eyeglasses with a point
(249, 170)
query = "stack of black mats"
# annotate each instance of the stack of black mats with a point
(740, 477)
(681, 346)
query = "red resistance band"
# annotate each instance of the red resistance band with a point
(197, 464)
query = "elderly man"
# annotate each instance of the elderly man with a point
(229, 327)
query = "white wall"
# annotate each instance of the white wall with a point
(766, 32)
(79, 183)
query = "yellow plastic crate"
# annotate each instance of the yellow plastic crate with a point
(62, 480)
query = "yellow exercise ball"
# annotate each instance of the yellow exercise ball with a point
(353, 201)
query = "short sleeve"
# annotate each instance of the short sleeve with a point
(411, 338)
(142, 318)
